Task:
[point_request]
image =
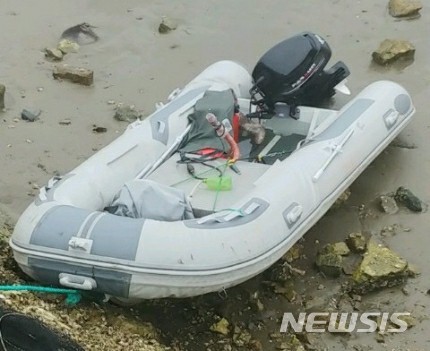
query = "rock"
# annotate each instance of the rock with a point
(410, 321)
(126, 114)
(98, 130)
(77, 75)
(388, 204)
(404, 8)
(391, 50)
(67, 46)
(167, 25)
(350, 264)
(2, 93)
(54, 54)
(356, 242)
(241, 337)
(65, 122)
(30, 115)
(287, 290)
(407, 198)
(279, 272)
(221, 327)
(293, 254)
(339, 248)
(329, 263)
(380, 268)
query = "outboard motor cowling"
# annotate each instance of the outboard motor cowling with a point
(292, 72)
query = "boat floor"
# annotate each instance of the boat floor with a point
(175, 174)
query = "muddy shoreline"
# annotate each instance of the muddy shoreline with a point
(134, 64)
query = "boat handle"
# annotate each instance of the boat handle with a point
(174, 94)
(77, 281)
(294, 214)
(337, 149)
(391, 118)
(161, 127)
(51, 183)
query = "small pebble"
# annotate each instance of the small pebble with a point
(30, 116)
(65, 122)
(99, 129)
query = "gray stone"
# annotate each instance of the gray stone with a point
(380, 268)
(30, 115)
(99, 130)
(2, 93)
(356, 242)
(329, 263)
(167, 25)
(388, 204)
(350, 264)
(54, 54)
(126, 114)
(391, 50)
(407, 198)
(77, 75)
(404, 8)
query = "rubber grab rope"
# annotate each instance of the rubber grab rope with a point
(72, 296)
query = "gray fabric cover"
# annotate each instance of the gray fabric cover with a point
(145, 198)
(202, 135)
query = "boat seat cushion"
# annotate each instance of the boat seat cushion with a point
(202, 134)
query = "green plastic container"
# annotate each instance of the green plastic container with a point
(223, 183)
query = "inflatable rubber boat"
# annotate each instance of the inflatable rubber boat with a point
(165, 210)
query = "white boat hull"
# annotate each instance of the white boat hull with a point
(65, 238)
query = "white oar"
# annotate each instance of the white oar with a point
(151, 168)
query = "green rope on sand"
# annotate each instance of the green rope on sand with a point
(72, 298)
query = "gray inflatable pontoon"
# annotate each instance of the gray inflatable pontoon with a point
(65, 237)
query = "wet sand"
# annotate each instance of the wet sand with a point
(134, 64)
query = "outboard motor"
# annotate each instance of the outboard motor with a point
(292, 72)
